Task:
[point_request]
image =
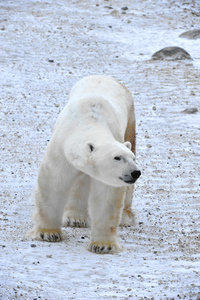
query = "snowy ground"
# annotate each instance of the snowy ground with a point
(46, 46)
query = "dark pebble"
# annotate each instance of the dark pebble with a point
(124, 8)
(109, 7)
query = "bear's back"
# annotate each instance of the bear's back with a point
(104, 86)
(99, 97)
(96, 101)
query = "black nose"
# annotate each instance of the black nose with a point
(136, 174)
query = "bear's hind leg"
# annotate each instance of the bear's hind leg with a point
(105, 207)
(76, 211)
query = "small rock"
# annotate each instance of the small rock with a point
(109, 7)
(50, 60)
(33, 245)
(49, 256)
(115, 13)
(140, 278)
(190, 110)
(191, 34)
(124, 8)
(171, 53)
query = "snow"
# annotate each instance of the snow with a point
(47, 46)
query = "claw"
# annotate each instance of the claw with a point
(73, 222)
(50, 235)
(57, 237)
(83, 224)
(94, 247)
(104, 248)
(99, 249)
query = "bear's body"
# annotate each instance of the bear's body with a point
(88, 167)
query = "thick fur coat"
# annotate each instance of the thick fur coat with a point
(88, 170)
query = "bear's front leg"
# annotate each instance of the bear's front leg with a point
(54, 181)
(47, 217)
(128, 215)
(105, 208)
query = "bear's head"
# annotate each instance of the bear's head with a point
(112, 163)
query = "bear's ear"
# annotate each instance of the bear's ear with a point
(90, 147)
(128, 145)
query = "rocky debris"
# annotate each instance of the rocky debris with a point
(108, 7)
(124, 8)
(191, 34)
(190, 110)
(171, 53)
(115, 13)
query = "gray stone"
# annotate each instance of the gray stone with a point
(171, 53)
(191, 34)
(190, 110)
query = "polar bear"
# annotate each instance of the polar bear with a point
(89, 166)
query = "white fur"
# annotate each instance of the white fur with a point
(80, 166)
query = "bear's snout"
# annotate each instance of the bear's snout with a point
(136, 174)
(130, 179)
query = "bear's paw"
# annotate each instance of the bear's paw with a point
(74, 222)
(50, 235)
(105, 248)
(128, 218)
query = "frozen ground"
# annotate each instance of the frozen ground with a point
(46, 46)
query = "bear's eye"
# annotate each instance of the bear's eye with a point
(117, 158)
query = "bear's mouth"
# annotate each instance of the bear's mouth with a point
(128, 181)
